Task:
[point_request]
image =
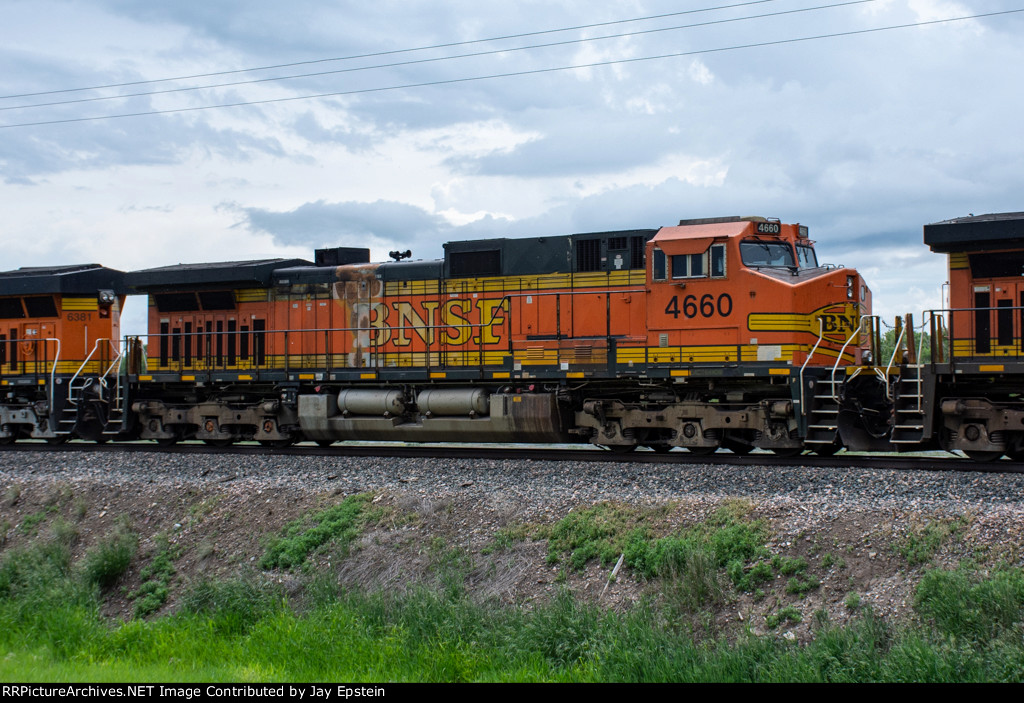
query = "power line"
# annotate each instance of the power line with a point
(392, 52)
(598, 64)
(476, 54)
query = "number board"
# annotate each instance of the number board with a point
(769, 228)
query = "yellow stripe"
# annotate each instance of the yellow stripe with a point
(251, 295)
(517, 284)
(990, 367)
(574, 374)
(679, 372)
(244, 377)
(188, 378)
(778, 372)
(303, 377)
(958, 261)
(438, 374)
(145, 378)
(367, 375)
(79, 304)
(500, 374)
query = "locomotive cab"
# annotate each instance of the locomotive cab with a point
(730, 290)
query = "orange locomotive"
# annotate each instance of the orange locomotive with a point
(59, 348)
(712, 333)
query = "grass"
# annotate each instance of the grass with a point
(338, 525)
(247, 630)
(104, 564)
(156, 580)
(924, 540)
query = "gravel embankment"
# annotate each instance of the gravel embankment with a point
(534, 489)
(850, 524)
(534, 482)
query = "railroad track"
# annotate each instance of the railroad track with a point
(910, 462)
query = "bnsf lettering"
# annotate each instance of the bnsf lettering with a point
(707, 306)
(457, 324)
(79, 316)
(839, 323)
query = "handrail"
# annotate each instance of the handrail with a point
(71, 383)
(53, 368)
(839, 357)
(821, 336)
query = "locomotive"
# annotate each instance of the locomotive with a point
(715, 333)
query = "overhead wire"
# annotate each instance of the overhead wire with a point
(451, 81)
(437, 59)
(391, 52)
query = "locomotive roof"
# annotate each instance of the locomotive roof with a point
(224, 273)
(80, 279)
(976, 232)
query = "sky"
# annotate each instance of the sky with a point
(792, 109)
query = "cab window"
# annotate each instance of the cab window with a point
(688, 266)
(767, 254)
(658, 265)
(806, 256)
(717, 260)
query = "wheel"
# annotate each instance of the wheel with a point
(324, 443)
(702, 451)
(1016, 455)
(53, 441)
(660, 448)
(982, 457)
(738, 448)
(219, 442)
(167, 441)
(621, 448)
(275, 443)
(788, 452)
(826, 449)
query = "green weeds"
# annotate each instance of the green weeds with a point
(104, 564)
(156, 580)
(338, 525)
(923, 541)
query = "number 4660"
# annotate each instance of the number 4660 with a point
(707, 306)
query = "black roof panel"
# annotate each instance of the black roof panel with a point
(1003, 230)
(221, 274)
(82, 279)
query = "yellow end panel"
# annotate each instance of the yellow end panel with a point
(958, 261)
(79, 304)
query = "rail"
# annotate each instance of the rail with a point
(821, 336)
(247, 349)
(839, 358)
(95, 348)
(990, 332)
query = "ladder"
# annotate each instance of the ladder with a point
(908, 407)
(823, 416)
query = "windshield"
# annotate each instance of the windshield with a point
(808, 259)
(766, 254)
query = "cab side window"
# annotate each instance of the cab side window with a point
(710, 263)
(717, 260)
(658, 265)
(688, 266)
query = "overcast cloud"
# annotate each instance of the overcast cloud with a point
(863, 138)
